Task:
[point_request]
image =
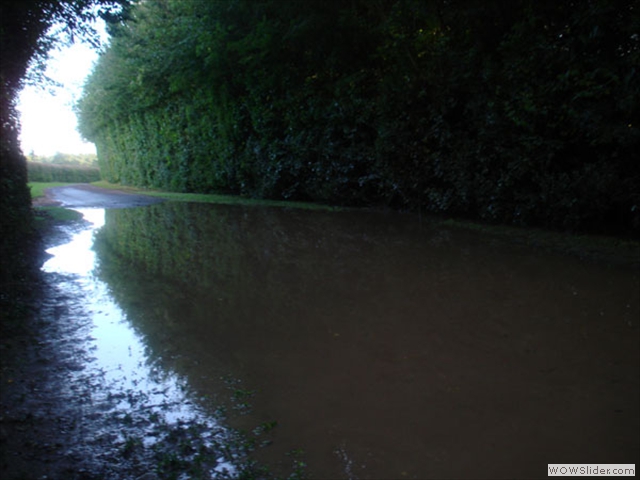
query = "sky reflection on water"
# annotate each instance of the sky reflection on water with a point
(128, 383)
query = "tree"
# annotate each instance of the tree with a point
(512, 111)
(26, 36)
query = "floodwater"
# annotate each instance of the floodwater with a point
(131, 400)
(382, 346)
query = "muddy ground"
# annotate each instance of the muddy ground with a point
(58, 420)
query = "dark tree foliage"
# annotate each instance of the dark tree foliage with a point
(513, 111)
(25, 39)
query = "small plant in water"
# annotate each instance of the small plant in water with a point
(130, 445)
(299, 466)
(170, 465)
(268, 426)
(240, 399)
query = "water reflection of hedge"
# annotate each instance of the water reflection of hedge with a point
(240, 262)
(168, 241)
(180, 269)
(198, 246)
(224, 252)
(205, 246)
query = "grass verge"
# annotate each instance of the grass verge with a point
(38, 188)
(46, 217)
(57, 215)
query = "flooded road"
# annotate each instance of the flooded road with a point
(86, 195)
(385, 348)
(378, 346)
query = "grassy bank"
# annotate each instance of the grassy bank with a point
(55, 215)
(46, 217)
(38, 188)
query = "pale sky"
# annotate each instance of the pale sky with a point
(48, 122)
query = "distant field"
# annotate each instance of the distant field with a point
(46, 172)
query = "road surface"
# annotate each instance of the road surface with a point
(84, 195)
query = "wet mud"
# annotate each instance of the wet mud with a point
(76, 404)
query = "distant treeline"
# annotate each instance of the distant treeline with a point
(47, 172)
(90, 159)
(522, 112)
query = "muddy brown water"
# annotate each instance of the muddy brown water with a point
(382, 346)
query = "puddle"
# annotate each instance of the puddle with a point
(133, 401)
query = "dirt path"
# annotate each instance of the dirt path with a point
(84, 195)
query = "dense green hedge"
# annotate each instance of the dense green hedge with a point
(523, 112)
(45, 172)
(25, 40)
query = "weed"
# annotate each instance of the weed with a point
(130, 445)
(299, 466)
(38, 188)
(266, 427)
